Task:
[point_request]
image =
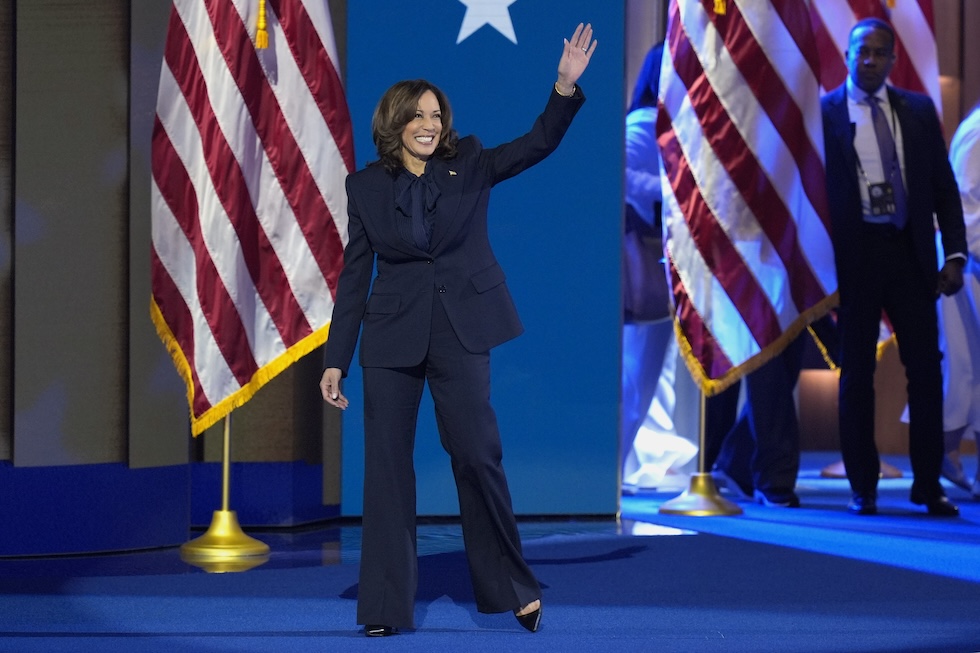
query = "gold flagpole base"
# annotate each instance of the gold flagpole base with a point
(224, 546)
(701, 499)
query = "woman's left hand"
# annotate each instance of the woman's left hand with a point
(575, 57)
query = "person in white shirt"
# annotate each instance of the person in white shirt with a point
(959, 315)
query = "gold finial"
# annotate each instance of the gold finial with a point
(720, 7)
(261, 34)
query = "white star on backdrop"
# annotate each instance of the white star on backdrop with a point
(487, 12)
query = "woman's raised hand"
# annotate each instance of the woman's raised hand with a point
(575, 57)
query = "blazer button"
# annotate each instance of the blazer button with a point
(442, 289)
(429, 261)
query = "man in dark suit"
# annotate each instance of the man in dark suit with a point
(887, 176)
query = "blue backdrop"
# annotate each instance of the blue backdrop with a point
(556, 228)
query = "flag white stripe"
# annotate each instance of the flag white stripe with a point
(702, 288)
(307, 294)
(765, 141)
(271, 206)
(219, 235)
(838, 17)
(302, 115)
(177, 257)
(912, 28)
(323, 24)
(704, 292)
(736, 324)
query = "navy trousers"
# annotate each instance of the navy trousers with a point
(460, 385)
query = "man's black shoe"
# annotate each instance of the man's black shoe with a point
(937, 506)
(863, 504)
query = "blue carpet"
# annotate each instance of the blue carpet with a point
(813, 580)
(603, 592)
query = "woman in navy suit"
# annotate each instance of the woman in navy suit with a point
(438, 304)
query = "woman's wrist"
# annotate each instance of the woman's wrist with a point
(564, 90)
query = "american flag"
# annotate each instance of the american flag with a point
(251, 147)
(745, 213)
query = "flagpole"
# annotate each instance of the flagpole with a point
(701, 499)
(224, 546)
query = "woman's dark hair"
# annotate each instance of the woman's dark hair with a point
(396, 109)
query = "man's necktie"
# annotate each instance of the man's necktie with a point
(889, 160)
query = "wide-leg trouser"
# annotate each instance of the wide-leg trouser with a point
(460, 385)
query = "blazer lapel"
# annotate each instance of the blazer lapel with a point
(841, 127)
(383, 214)
(910, 130)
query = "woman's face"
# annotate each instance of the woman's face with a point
(421, 135)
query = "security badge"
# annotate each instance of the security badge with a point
(882, 198)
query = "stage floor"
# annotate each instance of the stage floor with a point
(809, 580)
(821, 524)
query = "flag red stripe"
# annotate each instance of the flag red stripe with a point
(717, 251)
(800, 29)
(703, 345)
(216, 304)
(282, 150)
(243, 306)
(868, 8)
(260, 258)
(833, 71)
(181, 324)
(812, 172)
(724, 261)
(925, 6)
(756, 188)
(734, 153)
(319, 72)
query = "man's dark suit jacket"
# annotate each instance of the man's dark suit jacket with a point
(459, 266)
(930, 185)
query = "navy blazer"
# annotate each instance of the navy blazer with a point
(930, 184)
(460, 265)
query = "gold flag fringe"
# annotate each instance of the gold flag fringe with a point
(710, 387)
(266, 373)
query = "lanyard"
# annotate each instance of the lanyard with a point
(892, 128)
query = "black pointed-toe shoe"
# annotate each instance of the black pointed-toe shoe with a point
(937, 506)
(378, 631)
(531, 620)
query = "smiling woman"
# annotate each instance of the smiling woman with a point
(420, 138)
(410, 112)
(438, 305)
